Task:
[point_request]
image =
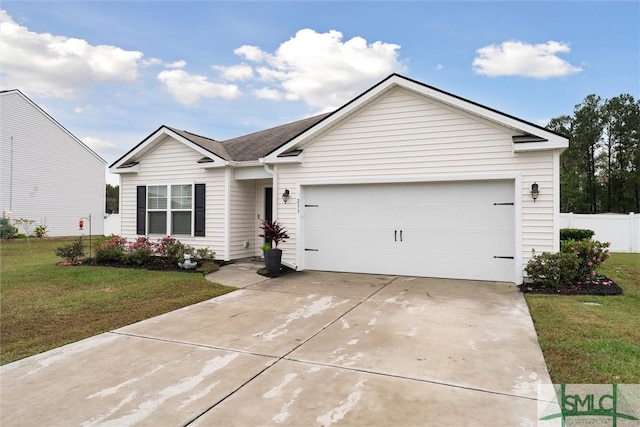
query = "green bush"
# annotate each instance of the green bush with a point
(553, 269)
(575, 234)
(172, 250)
(140, 252)
(144, 253)
(203, 255)
(41, 231)
(590, 254)
(72, 251)
(110, 251)
(573, 265)
(7, 231)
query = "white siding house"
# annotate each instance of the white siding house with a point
(48, 175)
(404, 179)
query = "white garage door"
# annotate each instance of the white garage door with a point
(452, 229)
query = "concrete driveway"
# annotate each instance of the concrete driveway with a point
(308, 348)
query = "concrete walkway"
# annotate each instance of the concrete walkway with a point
(308, 348)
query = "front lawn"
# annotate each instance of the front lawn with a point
(593, 339)
(44, 305)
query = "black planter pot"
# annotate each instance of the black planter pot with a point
(272, 260)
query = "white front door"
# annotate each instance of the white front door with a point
(448, 229)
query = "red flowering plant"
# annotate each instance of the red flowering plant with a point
(274, 232)
(590, 253)
(111, 251)
(575, 264)
(140, 251)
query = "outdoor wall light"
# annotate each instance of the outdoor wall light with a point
(285, 196)
(535, 192)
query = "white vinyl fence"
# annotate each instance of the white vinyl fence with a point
(623, 231)
(112, 225)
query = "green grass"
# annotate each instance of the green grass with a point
(592, 344)
(44, 305)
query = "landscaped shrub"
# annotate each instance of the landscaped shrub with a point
(553, 269)
(575, 234)
(41, 231)
(573, 265)
(111, 251)
(7, 231)
(171, 249)
(140, 252)
(203, 255)
(72, 251)
(25, 224)
(590, 253)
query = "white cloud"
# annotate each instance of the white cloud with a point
(187, 89)
(59, 66)
(178, 64)
(156, 61)
(97, 144)
(251, 53)
(321, 69)
(236, 72)
(516, 58)
(267, 93)
(438, 67)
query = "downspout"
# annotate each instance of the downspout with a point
(227, 213)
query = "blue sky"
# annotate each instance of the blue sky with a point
(112, 72)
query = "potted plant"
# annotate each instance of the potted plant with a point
(274, 233)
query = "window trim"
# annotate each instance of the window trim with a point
(168, 210)
(197, 211)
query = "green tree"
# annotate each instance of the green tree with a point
(573, 197)
(113, 198)
(587, 133)
(621, 117)
(600, 171)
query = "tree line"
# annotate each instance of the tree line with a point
(600, 171)
(112, 199)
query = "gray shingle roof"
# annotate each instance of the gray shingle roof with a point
(208, 144)
(255, 145)
(259, 144)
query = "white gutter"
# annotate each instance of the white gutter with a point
(227, 214)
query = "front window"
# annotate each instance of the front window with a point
(173, 218)
(181, 206)
(157, 206)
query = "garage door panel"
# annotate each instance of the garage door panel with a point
(452, 229)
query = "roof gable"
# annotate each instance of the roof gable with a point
(53, 121)
(534, 137)
(285, 143)
(209, 148)
(245, 148)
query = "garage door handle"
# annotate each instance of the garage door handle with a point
(395, 235)
(401, 235)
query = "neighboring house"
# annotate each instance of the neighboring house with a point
(48, 175)
(405, 179)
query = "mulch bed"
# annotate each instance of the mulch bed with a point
(154, 266)
(598, 285)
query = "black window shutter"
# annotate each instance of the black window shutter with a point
(198, 215)
(141, 210)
